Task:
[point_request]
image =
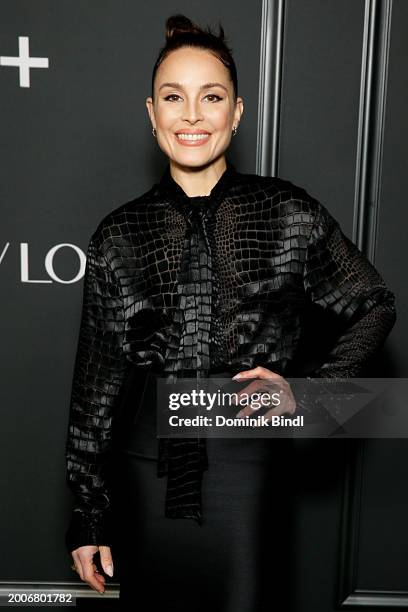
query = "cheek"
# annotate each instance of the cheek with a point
(165, 117)
(220, 119)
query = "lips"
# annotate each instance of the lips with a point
(187, 131)
(192, 137)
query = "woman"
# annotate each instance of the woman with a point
(209, 273)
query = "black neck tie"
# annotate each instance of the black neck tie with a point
(188, 354)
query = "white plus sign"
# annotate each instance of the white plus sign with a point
(24, 62)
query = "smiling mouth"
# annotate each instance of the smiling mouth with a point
(192, 137)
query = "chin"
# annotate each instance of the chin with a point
(192, 161)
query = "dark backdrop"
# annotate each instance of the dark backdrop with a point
(325, 91)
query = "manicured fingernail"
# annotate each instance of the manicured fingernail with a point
(237, 376)
(109, 570)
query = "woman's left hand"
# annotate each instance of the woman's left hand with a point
(268, 381)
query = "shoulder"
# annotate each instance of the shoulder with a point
(122, 221)
(294, 200)
(277, 188)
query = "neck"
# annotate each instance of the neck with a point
(198, 181)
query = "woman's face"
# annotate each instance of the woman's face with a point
(193, 109)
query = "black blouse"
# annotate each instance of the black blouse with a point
(185, 285)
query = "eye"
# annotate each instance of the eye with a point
(218, 98)
(214, 97)
(171, 96)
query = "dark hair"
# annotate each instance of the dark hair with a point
(182, 32)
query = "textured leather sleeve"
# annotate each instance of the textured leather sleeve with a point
(338, 277)
(99, 372)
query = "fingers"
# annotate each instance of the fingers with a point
(78, 564)
(106, 560)
(258, 372)
(274, 384)
(253, 398)
(92, 578)
(259, 394)
(86, 568)
(287, 405)
(98, 575)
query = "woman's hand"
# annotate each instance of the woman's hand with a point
(87, 569)
(271, 383)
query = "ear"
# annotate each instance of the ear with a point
(239, 109)
(150, 110)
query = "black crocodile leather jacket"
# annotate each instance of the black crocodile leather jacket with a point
(276, 251)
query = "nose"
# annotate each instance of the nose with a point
(192, 111)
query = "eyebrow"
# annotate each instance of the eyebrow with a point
(205, 86)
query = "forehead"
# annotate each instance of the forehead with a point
(192, 67)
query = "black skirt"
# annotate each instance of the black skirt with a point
(231, 562)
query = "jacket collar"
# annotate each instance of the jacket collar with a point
(172, 190)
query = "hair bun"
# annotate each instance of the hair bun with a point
(180, 24)
(182, 32)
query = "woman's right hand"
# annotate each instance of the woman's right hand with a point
(87, 569)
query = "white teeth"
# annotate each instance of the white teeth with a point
(192, 136)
